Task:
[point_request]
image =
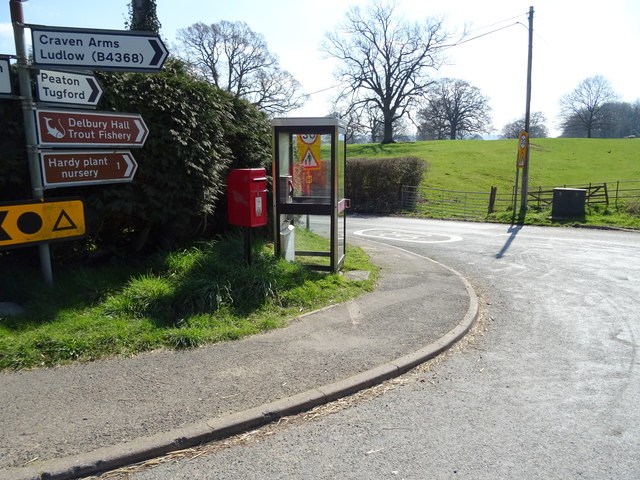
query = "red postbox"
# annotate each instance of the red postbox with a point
(247, 197)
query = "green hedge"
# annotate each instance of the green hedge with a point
(197, 134)
(375, 184)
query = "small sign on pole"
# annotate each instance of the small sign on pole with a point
(71, 88)
(523, 144)
(309, 151)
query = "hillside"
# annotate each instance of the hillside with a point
(476, 165)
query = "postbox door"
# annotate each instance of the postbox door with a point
(258, 204)
(246, 197)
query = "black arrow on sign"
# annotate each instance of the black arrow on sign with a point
(3, 235)
(159, 52)
(95, 91)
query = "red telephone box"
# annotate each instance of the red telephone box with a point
(309, 160)
(247, 197)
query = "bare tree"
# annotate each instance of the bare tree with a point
(537, 127)
(356, 129)
(384, 60)
(454, 109)
(276, 91)
(235, 58)
(583, 108)
(623, 120)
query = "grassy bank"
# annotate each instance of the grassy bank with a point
(476, 166)
(183, 299)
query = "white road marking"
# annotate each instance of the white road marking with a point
(407, 236)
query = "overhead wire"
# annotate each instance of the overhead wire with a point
(498, 22)
(460, 42)
(444, 47)
(488, 33)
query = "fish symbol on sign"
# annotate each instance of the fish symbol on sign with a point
(53, 131)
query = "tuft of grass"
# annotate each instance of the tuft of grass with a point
(632, 207)
(182, 299)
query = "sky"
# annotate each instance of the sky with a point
(572, 40)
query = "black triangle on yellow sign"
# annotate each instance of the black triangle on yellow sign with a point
(64, 222)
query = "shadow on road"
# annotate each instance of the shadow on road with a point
(513, 230)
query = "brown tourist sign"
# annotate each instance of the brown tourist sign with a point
(71, 168)
(78, 128)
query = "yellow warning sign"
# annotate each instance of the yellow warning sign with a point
(309, 161)
(523, 142)
(23, 224)
(309, 151)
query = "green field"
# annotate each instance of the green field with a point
(477, 165)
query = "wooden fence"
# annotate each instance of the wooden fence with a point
(441, 203)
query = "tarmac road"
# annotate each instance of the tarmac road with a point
(83, 418)
(550, 391)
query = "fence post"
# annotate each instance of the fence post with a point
(539, 195)
(492, 199)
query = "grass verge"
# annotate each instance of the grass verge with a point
(595, 216)
(182, 299)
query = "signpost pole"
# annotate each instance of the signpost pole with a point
(24, 78)
(525, 170)
(515, 193)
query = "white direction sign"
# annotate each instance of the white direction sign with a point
(97, 49)
(5, 77)
(68, 88)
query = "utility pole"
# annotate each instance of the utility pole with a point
(28, 108)
(527, 120)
